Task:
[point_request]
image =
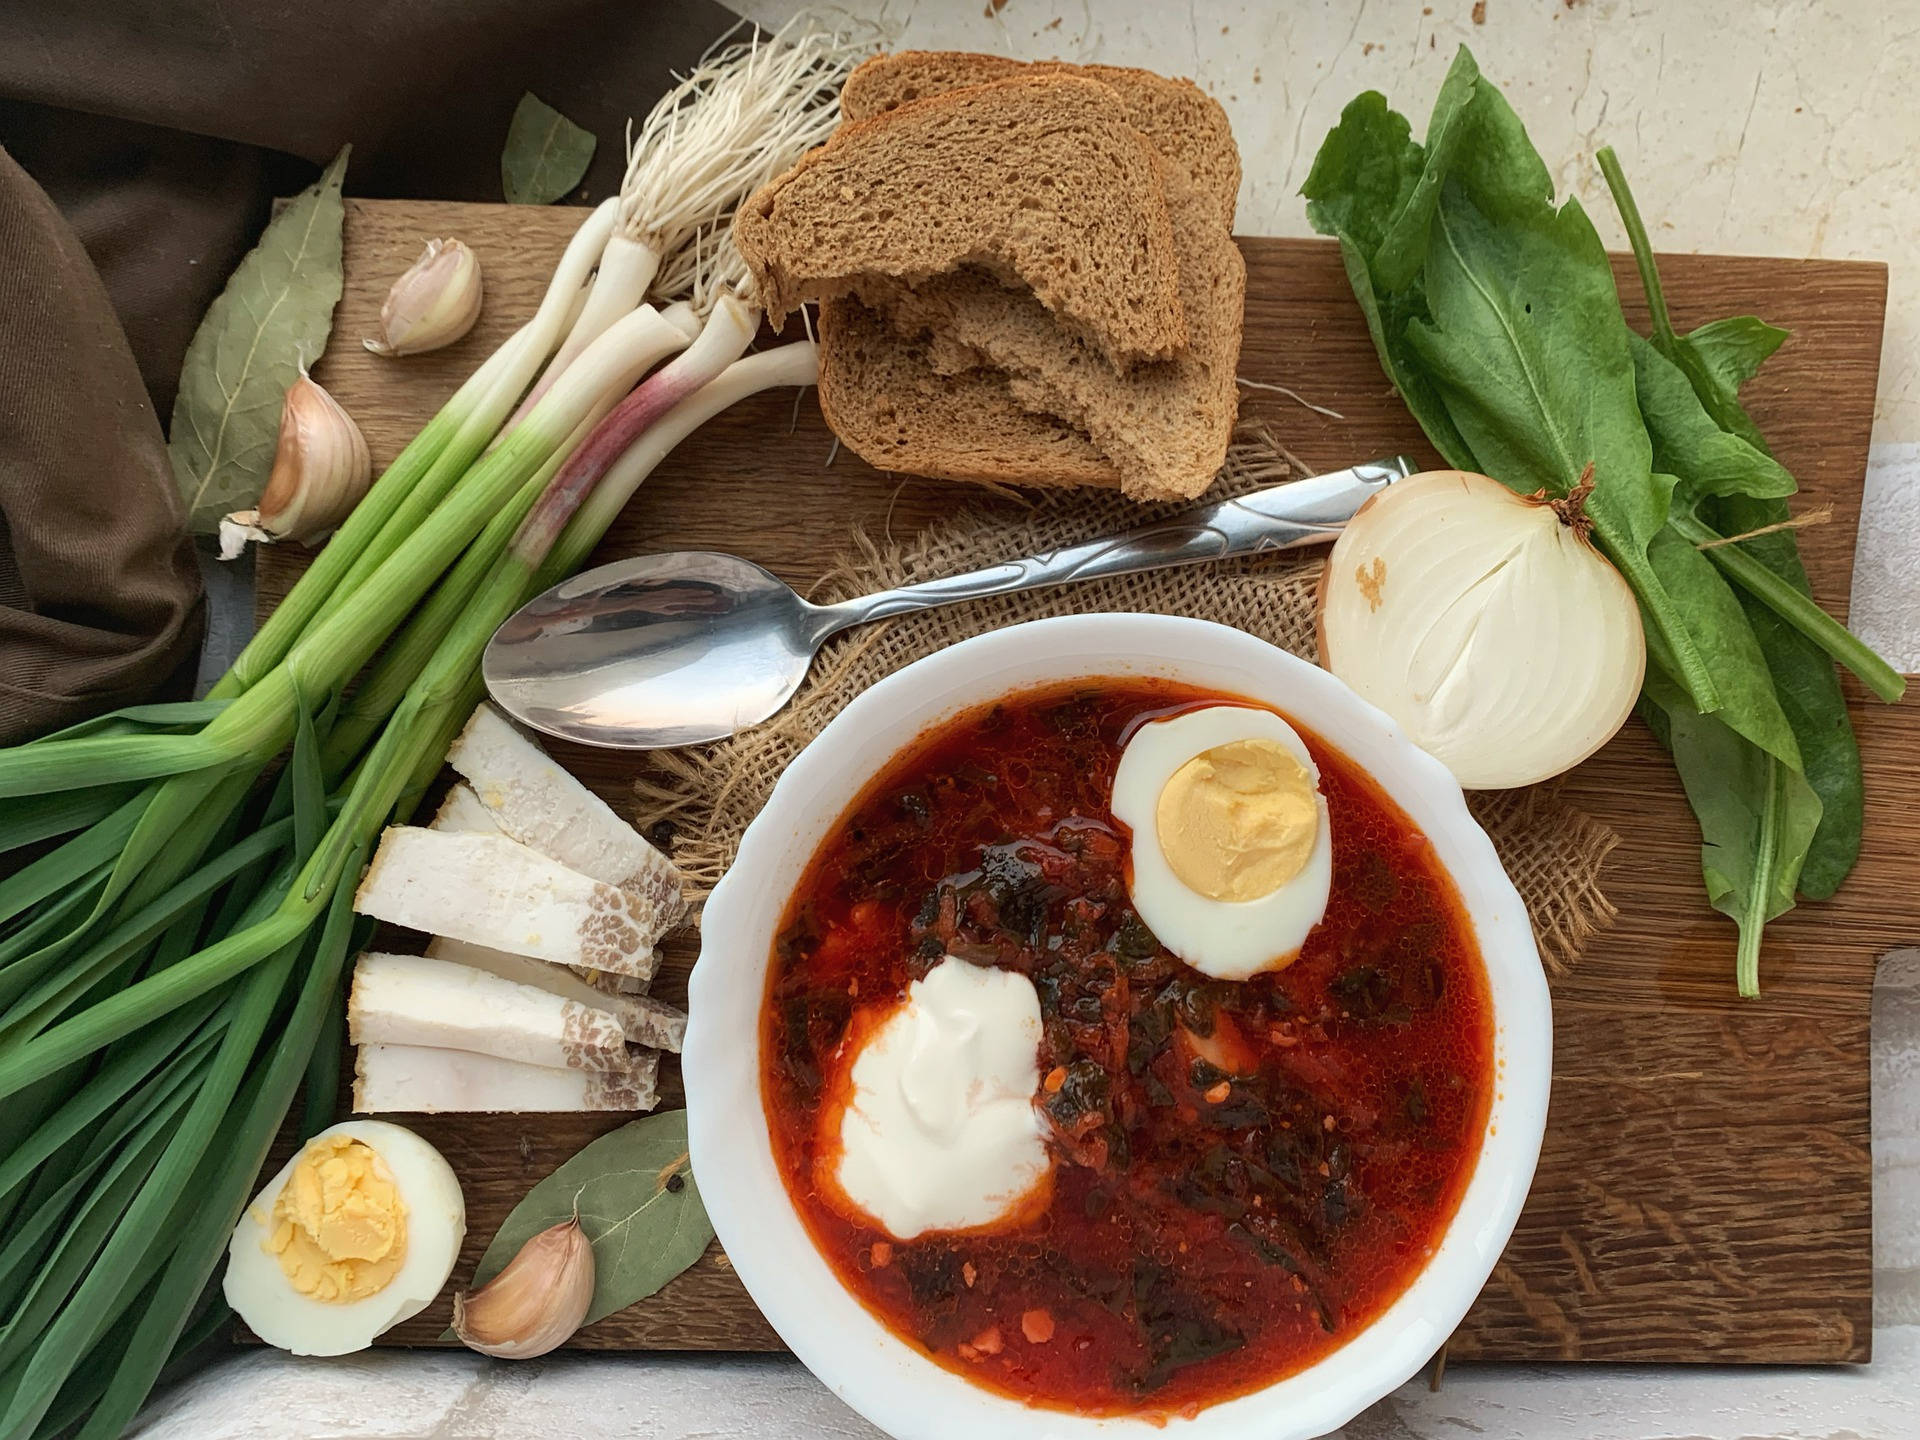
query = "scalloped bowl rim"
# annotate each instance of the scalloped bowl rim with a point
(882, 1376)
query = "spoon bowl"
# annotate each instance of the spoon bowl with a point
(673, 649)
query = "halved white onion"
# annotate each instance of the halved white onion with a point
(1486, 624)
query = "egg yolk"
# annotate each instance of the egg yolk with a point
(339, 1228)
(1238, 821)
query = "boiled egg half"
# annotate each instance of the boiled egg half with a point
(358, 1232)
(1232, 860)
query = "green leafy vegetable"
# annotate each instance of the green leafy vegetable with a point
(267, 326)
(1809, 691)
(1725, 354)
(1757, 818)
(1740, 766)
(1687, 443)
(1748, 704)
(1707, 371)
(1733, 350)
(638, 1204)
(1361, 180)
(1495, 314)
(545, 156)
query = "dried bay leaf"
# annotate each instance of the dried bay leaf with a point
(638, 1205)
(545, 156)
(268, 325)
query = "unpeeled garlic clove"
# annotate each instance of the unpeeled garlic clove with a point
(321, 468)
(536, 1303)
(433, 304)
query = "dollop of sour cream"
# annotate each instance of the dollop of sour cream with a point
(940, 1130)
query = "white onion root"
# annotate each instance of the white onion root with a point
(747, 112)
(1485, 624)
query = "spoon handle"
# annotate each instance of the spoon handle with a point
(1279, 517)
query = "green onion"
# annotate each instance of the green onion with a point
(170, 969)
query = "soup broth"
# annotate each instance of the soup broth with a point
(1245, 1174)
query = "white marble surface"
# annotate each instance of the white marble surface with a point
(1781, 129)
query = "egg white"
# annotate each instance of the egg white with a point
(257, 1288)
(1226, 939)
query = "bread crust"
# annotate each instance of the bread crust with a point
(1185, 124)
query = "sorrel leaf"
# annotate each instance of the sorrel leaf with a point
(1749, 705)
(1732, 350)
(545, 156)
(1719, 357)
(1687, 443)
(268, 325)
(1808, 686)
(638, 1204)
(1757, 818)
(1496, 316)
(1361, 180)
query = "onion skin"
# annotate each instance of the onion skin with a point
(1486, 626)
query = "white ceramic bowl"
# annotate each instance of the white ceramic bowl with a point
(885, 1378)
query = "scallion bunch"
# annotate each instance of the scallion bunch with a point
(170, 969)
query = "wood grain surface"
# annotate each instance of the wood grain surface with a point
(1705, 1191)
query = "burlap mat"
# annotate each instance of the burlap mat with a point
(1553, 851)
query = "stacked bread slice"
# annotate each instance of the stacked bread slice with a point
(1026, 272)
(543, 907)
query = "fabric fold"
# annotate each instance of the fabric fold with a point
(99, 590)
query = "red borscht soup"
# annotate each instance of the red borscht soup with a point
(1244, 1174)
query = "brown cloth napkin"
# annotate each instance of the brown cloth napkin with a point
(99, 594)
(161, 130)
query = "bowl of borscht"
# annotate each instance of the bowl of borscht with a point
(1113, 1024)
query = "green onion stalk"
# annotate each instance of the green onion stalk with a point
(172, 948)
(193, 1054)
(109, 947)
(432, 462)
(744, 114)
(606, 469)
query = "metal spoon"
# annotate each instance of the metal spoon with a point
(682, 648)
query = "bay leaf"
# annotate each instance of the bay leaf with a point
(638, 1204)
(269, 324)
(545, 156)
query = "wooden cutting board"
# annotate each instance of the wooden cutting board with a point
(1705, 1191)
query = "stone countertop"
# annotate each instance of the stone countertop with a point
(1745, 126)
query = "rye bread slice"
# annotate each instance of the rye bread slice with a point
(886, 402)
(1040, 180)
(1165, 425)
(1189, 128)
(1184, 123)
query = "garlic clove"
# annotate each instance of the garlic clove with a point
(321, 468)
(433, 304)
(536, 1303)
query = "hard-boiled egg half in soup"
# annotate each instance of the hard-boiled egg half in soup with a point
(358, 1232)
(1231, 857)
